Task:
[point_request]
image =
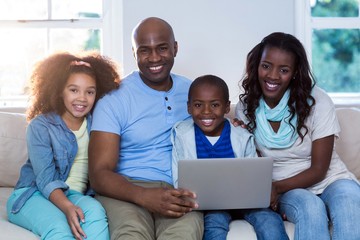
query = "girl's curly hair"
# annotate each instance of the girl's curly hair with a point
(301, 101)
(50, 75)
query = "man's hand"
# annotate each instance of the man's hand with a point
(168, 202)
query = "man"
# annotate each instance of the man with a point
(130, 148)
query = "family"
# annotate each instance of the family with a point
(103, 151)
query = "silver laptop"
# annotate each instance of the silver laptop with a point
(228, 183)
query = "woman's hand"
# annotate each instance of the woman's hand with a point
(274, 197)
(237, 122)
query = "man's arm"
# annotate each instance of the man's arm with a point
(103, 159)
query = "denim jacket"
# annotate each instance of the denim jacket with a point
(184, 145)
(52, 148)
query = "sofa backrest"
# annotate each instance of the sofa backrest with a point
(13, 150)
(348, 143)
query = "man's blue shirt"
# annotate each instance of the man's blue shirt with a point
(143, 118)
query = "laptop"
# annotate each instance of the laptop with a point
(228, 183)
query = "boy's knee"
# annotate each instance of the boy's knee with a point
(217, 217)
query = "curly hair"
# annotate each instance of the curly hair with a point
(50, 75)
(301, 101)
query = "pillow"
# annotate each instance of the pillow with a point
(348, 143)
(13, 150)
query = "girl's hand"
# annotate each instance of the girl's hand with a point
(75, 216)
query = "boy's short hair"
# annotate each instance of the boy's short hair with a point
(211, 80)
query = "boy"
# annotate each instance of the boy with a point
(208, 134)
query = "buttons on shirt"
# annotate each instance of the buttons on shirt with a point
(167, 103)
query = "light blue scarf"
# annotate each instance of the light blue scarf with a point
(265, 135)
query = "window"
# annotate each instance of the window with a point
(30, 30)
(330, 30)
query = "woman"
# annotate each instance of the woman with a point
(294, 122)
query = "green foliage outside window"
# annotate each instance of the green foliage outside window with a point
(336, 52)
(94, 34)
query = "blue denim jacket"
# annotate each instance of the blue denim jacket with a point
(52, 148)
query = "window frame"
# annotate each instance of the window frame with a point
(304, 23)
(110, 25)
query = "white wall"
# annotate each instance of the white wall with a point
(214, 36)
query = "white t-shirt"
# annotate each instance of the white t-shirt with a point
(288, 162)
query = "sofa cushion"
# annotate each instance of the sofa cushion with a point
(11, 231)
(348, 143)
(13, 150)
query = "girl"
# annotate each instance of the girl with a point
(294, 122)
(51, 196)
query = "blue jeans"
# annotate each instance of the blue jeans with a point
(266, 223)
(216, 225)
(43, 218)
(309, 212)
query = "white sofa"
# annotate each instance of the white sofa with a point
(13, 153)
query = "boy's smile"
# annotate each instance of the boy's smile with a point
(208, 107)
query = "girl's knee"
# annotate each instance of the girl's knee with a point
(93, 210)
(96, 215)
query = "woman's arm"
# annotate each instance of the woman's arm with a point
(320, 160)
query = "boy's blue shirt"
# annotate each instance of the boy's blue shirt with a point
(222, 147)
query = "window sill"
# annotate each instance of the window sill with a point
(14, 101)
(345, 99)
